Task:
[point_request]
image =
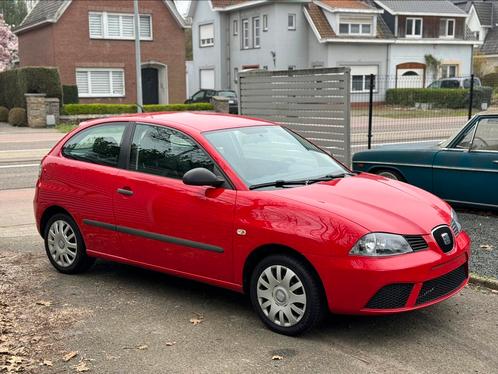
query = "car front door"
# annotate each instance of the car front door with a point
(467, 171)
(166, 224)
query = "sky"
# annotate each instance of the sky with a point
(182, 6)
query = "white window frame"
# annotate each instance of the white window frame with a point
(256, 32)
(414, 19)
(446, 26)
(105, 31)
(245, 27)
(235, 25)
(365, 79)
(110, 71)
(292, 27)
(265, 22)
(360, 28)
(208, 44)
(445, 69)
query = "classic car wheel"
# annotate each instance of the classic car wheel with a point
(390, 174)
(286, 295)
(64, 245)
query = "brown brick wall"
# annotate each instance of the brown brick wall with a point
(36, 48)
(430, 27)
(73, 48)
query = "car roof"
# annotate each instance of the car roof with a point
(197, 121)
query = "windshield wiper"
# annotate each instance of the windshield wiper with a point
(303, 182)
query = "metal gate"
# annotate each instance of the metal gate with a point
(312, 102)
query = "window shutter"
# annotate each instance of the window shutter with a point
(207, 33)
(113, 26)
(117, 82)
(100, 82)
(145, 27)
(127, 27)
(96, 26)
(82, 82)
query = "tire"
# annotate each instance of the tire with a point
(390, 174)
(67, 253)
(273, 299)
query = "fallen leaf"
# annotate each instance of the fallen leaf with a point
(195, 321)
(81, 367)
(487, 247)
(143, 347)
(169, 344)
(69, 356)
(47, 363)
(277, 357)
(494, 291)
(44, 303)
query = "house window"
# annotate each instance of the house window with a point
(206, 35)
(207, 79)
(414, 27)
(360, 78)
(449, 71)
(100, 82)
(103, 25)
(291, 22)
(447, 28)
(236, 75)
(256, 32)
(265, 22)
(235, 27)
(352, 26)
(245, 34)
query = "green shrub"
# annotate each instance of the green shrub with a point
(17, 82)
(82, 109)
(70, 94)
(481, 95)
(4, 114)
(17, 117)
(490, 80)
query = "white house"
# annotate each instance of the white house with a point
(381, 37)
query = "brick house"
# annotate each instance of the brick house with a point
(92, 44)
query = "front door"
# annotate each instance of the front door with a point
(150, 86)
(468, 170)
(166, 224)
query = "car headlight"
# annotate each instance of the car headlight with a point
(380, 244)
(456, 226)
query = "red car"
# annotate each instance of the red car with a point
(251, 206)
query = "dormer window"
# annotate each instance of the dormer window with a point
(447, 28)
(414, 27)
(355, 26)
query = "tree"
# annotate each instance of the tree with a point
(13, 11)
(8, 46)
(433, 65)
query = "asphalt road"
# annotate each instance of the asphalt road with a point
(124, 319)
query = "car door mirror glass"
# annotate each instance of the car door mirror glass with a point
(202, 177)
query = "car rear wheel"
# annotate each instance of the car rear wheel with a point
(390, 174)
(286, 295)
(64, 245)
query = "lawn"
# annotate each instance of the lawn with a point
(400, 112)
(65, 127)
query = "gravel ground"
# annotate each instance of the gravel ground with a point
(483, 230)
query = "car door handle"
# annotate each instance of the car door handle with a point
(125, 191)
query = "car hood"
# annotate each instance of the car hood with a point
(376, 203)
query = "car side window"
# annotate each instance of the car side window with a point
(466, 139)
(486, 136)
(450, 83)
(199, 95)
(162, 151)
(99, 144)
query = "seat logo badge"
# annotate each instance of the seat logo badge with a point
(446, 238)
(241, 232)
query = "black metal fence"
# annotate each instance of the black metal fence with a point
(412, 109)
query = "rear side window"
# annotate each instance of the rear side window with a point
(166, 152)
(451, 83)
(99, 144)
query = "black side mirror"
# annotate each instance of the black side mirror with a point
(202, 177)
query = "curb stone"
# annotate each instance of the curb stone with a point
(488, 282)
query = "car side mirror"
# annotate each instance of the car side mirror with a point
(202, 177)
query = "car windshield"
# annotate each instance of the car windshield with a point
(227, 93)
(265, 154)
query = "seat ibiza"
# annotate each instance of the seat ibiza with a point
(250, 206)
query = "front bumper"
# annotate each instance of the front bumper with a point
(360, 285)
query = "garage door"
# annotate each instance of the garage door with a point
(410, 78)
(207, 79)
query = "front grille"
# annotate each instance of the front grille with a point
(416, 242)
(444, 238)
(391, 296)
(439, 287)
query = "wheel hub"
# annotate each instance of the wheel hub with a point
(280, 295)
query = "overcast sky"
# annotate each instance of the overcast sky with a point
(182, 6)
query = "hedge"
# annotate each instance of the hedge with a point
(70, 94)
(76, 109)
(17, 117)
(17, 82)
(4, 114)
(451, 98)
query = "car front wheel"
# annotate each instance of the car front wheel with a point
(64, 245)
(286, 295)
